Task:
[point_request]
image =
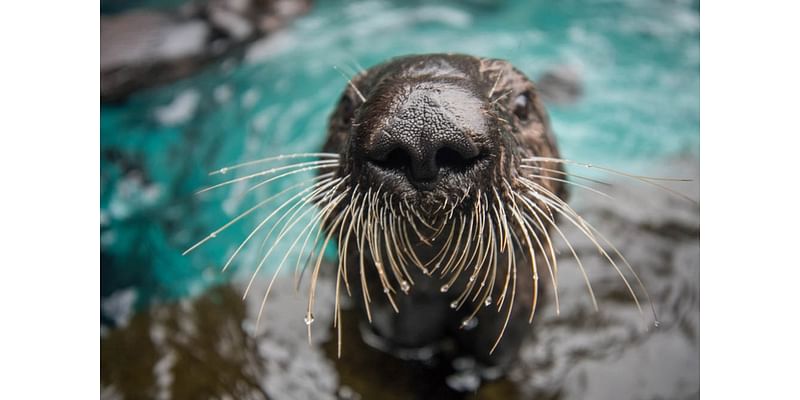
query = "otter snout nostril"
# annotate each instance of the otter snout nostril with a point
(423, 163)
(397, 159)
(455, 160)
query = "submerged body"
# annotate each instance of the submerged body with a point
(442, 219)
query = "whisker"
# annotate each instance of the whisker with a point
(644, 179)
(501, 97)
(630, 268)
(315, 274)
(445, 247)
(314, 220)
(510, 307)
(260, 225)
(502, 298)
(227, 169)
(390, 254)
(285, 174)
(276, 241)
(468, 245)
(568, 174)
(297, 207)
(242, 215)
(529, 244)
(480, 232)
(531, 205)
(576, 184)
(484, 248)
(350, 83)
(592, 229)
(345, 243)
(603, 168)
(320, 164)
(313, 223)
(359, 68)
(361, 251)
(298, 276)
(494, 86)
(562, 210)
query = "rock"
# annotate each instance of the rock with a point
(146, 48)
(561, 85)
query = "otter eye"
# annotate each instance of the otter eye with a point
(522, 106)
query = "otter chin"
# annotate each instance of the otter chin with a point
(440, 219)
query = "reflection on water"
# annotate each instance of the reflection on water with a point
(208, 347)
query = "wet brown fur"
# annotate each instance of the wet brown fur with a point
(517, 140)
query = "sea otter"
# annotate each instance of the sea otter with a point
(443, 221)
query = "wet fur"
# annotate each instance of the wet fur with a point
(425, 316)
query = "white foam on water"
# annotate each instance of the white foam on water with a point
(180, 110)
(119, 306)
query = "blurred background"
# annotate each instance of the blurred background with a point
(188, 87)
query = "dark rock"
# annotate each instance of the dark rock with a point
(561, 85)
(141, 49)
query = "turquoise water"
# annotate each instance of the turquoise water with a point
(639, 61)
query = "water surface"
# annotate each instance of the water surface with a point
(639, 64)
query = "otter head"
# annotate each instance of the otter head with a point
(435, 130)
(444, 179)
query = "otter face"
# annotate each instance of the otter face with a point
(434, 180)
(436, 129)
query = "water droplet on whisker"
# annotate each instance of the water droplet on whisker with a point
(454, 305)
(470, 323)
(444, 288)
(309, 319)
(405, 286)
(488, 301)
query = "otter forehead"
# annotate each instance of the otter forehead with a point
(435, 66)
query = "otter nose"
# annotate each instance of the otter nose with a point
(426, 130)
(422, 151)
